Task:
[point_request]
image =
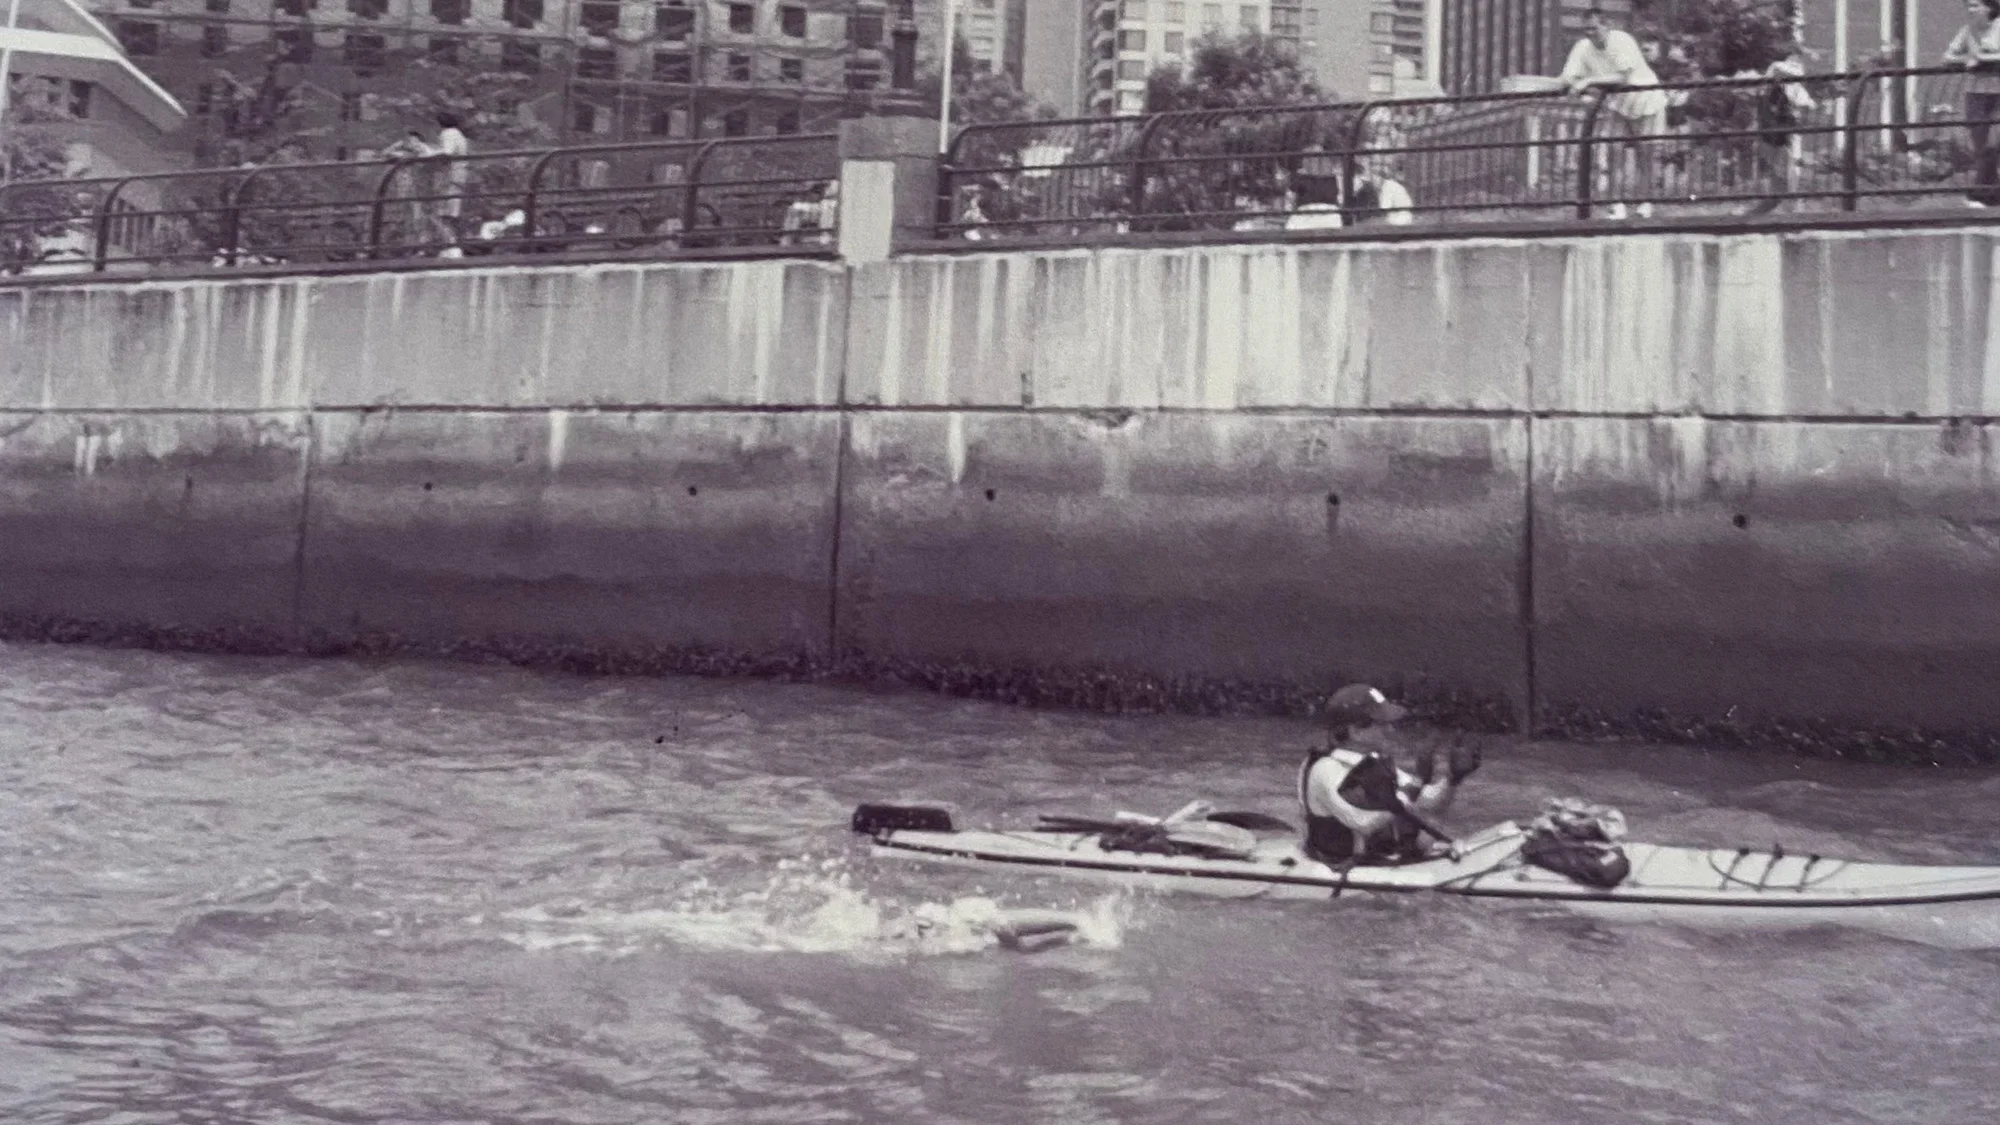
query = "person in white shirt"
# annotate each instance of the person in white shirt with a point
(1977, 48)
(1609, 57)
(453, 146)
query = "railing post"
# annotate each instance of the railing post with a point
(378, 210)
(1850, 157)
(232, 216)
(1586, 161)
(691, 192)
(947, 182)
(101, 252)
(1350, 164)
(1135, 190)
(531, 209)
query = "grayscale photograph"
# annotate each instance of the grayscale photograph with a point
(999, 562)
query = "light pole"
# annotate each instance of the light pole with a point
(950, 49)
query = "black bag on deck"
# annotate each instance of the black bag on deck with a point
(1578, 841)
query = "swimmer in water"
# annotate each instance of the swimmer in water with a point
(1023, 931)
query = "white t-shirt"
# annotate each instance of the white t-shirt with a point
(1619, 56)
(452, 142)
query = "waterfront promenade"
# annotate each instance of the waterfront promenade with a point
(1694, 474)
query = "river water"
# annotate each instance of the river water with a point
(273, 891)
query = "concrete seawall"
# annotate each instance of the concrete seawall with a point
(1728, 488)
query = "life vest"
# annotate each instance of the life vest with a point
(1340, 830)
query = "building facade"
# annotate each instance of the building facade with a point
(1483, 42)
(108, 116)
(610, 70)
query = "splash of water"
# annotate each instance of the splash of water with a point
(805, 906)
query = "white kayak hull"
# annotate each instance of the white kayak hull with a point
(1753, 888)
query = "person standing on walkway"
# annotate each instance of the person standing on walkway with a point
(1607, 57)
(1781, 109)
(1977, 48)
(454, 147)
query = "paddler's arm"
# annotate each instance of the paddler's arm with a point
(1404, 809)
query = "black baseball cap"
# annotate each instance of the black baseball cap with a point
(1357, 703)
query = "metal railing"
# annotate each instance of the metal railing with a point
(1692, 152)
(736, 195)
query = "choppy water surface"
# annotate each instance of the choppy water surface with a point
(274, 891)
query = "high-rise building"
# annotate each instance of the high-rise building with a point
(590, 69)
(1126, 40)
(1052, 53)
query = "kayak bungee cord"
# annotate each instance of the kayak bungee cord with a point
(1804, 884)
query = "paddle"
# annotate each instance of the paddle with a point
(1252, 821)
(1240, 818)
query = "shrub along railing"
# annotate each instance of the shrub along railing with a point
(1818, 143)
(743, 195)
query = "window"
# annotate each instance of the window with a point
(1252, 18)
(1174, 42)
(365, 51)
(140, 38)
(521, 58)
(524, 14)
(591, 119)
(739, 67)
(863, 74)
(742, 19)
(1176, 12)
(792, 70)
(79, 100)
(865, 29)
(1131, 101)
(1384, 52)
(295, 44)
(1131, 70)
(736, 123)
(792, 21)
(598, 17)
(1131, 40)
(216, 7)
(452, 12)
(673, 66)
(297, 8)
(597, 62)
(367, 9)
(788, 121)
(350, 105)
(664, 119)
(214, 40)
(1133, 9)
(674, 22)
(1211, 15)
(443, 50)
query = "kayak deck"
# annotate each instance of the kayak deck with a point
(1491, 867)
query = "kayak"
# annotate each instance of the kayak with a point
(1742, 885)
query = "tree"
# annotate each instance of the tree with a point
(1716, 38)
(980, 95)
(1238, 122)
(34, 162)
(1247, 72)
(33, 148)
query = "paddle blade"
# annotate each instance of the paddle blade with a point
(1254, 821)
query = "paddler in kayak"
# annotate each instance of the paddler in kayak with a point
(1359, 806)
